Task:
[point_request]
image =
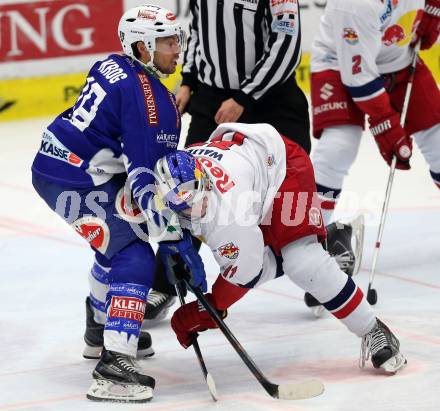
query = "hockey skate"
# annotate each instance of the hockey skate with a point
(94, 338)
(339, 244)
(158, 305)
(118, 378)
(383, 346)
(345, 243)
(314, 305)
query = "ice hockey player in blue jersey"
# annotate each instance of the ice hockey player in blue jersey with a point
(122, 123)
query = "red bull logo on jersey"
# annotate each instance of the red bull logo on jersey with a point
(402, 32)
(393, 34)
(229, 250)
(171, 16)
(350, 36)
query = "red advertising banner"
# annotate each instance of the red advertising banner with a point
(58, 28)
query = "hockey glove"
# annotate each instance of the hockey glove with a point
(191, 318)
(429, 27)
(190, 256)
(392, 140)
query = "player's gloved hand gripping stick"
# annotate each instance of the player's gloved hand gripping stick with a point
(164, 228)
(190, 256)
(372, 293)
(428, 29)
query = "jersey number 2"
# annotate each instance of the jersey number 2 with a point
(356, 69)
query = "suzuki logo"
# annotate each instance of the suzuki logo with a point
(326, 91)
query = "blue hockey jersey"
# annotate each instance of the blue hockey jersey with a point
(123, 121)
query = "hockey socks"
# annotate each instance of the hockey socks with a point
(125, 307)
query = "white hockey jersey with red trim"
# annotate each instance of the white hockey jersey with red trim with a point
(365, 38)
(246, 164)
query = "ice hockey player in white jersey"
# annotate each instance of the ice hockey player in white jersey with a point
(250, 195)
(360, 67)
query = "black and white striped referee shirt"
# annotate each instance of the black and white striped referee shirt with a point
(246, 45)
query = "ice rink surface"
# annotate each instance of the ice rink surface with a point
(43, 284)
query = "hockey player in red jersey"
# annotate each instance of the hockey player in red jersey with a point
(360, 67)
(250, 195)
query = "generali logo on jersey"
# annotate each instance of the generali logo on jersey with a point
(46, 29)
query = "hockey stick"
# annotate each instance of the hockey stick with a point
(209, 380)
(372, 293)
(292, 391)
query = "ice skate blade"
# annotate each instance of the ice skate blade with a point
(394, 364)
(106, 390)
(358, 226)
(92, 353)
(318, 311)
(147, 352)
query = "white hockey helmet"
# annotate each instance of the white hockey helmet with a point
(146, 23)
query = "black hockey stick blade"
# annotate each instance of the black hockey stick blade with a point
(291, 391)
(208, 378)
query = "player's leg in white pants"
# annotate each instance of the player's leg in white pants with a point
(311, 268)
(428, 142)
(332, 158)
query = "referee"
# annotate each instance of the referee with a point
(240, 66)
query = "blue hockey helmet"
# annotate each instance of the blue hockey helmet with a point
(181, 180)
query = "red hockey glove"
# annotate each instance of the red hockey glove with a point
(392, 140)
(429, 27)
(192, 318)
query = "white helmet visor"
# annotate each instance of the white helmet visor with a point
(172, 44)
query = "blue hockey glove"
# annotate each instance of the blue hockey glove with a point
(190, 256)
